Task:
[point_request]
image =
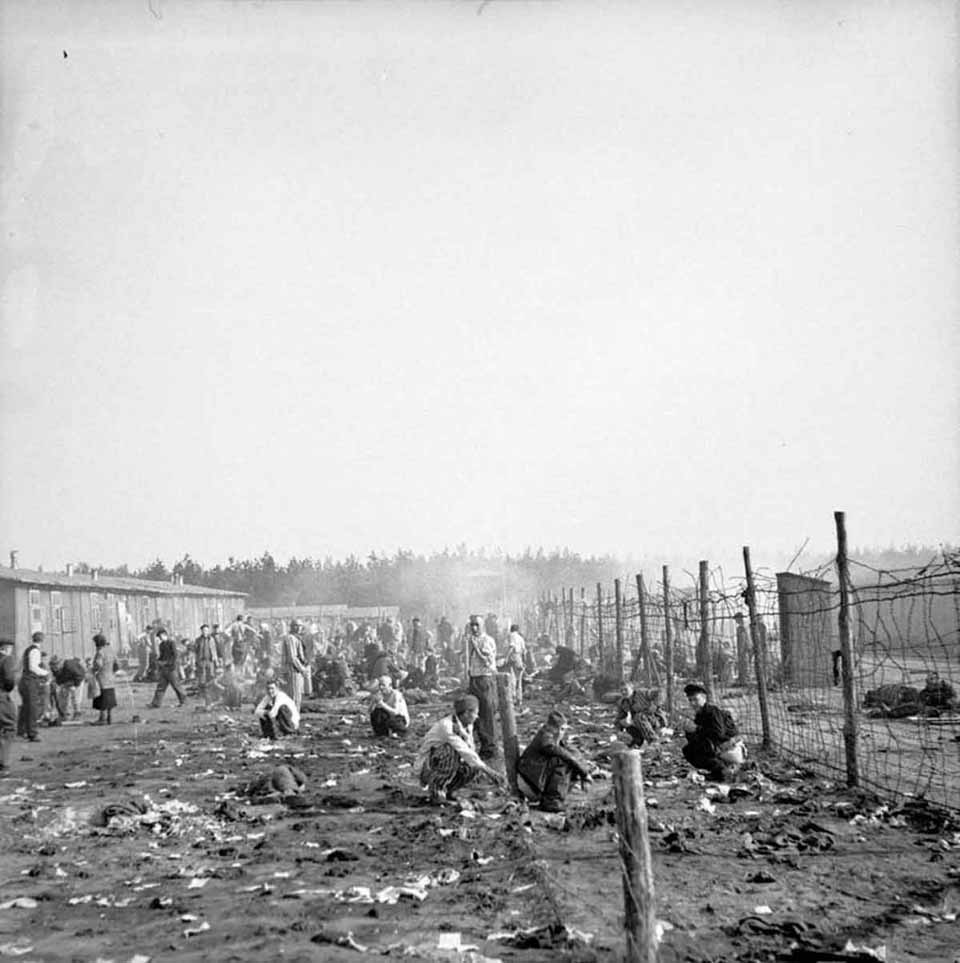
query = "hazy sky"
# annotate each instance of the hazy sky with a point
(329, 277)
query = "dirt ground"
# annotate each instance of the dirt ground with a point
(779, 866)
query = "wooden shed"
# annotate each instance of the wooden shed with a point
(71, 609)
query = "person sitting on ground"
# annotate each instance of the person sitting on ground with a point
(639, 714)
(547, 766)
(448, 760)
(713, 743)
(389, 715)
(277, 712)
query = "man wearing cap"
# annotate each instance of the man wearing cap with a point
(547, 766)
(32, 677)
(712, 740)
(482, 670)
(448, 758)
(8, 717)
(294, 664)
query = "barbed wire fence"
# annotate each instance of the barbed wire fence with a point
(880, 710)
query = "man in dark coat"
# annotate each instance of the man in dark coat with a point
(33, 675)
(8, 715)
(712, 739)
(547, 766)
(168, 669)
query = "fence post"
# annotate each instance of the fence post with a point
(759, 650)
(583, 617)
(600, 653)
(645, 657)
(704, 661)
(618, 614)
(639, 918)
(668, 641)
(508, 723)
(846, 655)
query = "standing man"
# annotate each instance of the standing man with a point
(417, 643)
(8, 718)
(32, 677)
(168, 669)
(482, 670)
(208, 661)
(294, 663)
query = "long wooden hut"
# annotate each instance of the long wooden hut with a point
(70, 609)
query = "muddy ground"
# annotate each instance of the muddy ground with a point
(780, 866)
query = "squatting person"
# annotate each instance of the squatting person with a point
(277, 712)
(547, 766)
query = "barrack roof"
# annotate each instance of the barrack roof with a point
(106, 583)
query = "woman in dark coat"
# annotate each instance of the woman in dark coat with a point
(104, 665)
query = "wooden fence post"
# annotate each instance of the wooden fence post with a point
(600, 653)
(846, 655)
(640, 918)
(668, 641)
(508, 723)
(704, 659)
(759, 650)
(645, 656)
(583, 617)
(618, 616)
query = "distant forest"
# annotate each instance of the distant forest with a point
(443, 582)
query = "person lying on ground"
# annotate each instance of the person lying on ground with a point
(937, 694)
(277, 712)
(448, 759)
(713, 743)
(639, 714)
(389, 715)
(547, 766)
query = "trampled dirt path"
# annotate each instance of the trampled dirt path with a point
(781, 866)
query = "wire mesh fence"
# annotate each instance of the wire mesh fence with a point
(895, 728)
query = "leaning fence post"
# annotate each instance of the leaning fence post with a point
(759, 650)
(704, 666)
(618, 616)
(846, 655)
(640, 918)
(508, 723)
(668, 641)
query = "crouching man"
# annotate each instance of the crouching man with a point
(389, 715)
(277, 712)
(639, 715)
(448, 758)
(713, 743)
(547, 766)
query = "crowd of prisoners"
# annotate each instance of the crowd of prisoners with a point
(278, 666)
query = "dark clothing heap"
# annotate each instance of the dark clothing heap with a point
(899, 701)
(641, 717)
(546, 768)
(715, 727)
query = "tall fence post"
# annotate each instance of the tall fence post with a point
(572, 628)
(583, 618)
(704, 660)
(600, 653)
(508, 723)
(639, 918)
(846, 655)
(645, 656)
(759, 650)
(618, 615)
(668, 641)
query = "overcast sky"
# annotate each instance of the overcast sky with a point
(648, 278)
